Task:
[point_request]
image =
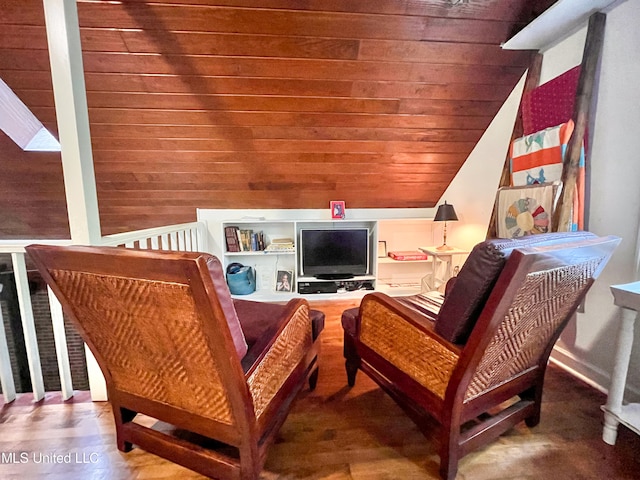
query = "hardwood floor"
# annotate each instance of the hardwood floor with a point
(333, 433)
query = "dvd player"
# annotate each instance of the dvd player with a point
(334, 286)
(317, 287)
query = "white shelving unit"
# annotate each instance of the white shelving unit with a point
(266, 264)
(401, 277)
(391, 261)
(387, 275)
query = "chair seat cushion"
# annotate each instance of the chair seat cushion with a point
(261, 322)
(466, 298)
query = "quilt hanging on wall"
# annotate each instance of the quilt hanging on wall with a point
(551, 103)
(525, 210)
(548, 107)
(537, 158)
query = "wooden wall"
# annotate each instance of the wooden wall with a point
(261, 103)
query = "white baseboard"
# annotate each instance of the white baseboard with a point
(586, 372)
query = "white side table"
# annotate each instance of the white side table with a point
(626, 296)
(441, 256)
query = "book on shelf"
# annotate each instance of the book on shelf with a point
(280, 248)
(257, 241)
(282, 241)
(280, 245)
(231, 236)
(408, 255)
(243, 240)
(245, 243)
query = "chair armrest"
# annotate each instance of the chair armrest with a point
(407, 340)
(378, 304)
(288, 347)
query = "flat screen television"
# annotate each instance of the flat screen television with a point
(334, 254)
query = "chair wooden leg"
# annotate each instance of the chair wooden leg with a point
(313, 379)
(535, 394)
(351, 365)
(448, 469)
(352, 359)
(124, 446)
(122, 416)
(449, 451)
(250, 465)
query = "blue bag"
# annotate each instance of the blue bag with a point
(241, 279)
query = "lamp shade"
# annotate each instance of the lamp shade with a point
(445, 213)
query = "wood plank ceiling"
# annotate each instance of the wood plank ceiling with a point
(260, 103)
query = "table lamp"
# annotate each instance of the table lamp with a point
(445, 213)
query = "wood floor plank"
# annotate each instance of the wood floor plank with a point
(333, 433)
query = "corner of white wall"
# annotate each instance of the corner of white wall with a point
(473, 190)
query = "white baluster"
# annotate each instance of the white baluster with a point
(28, 325)
(6, 375)
(62, 352)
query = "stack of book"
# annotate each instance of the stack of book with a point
(243, 240)
(408, 255)
(281, 245)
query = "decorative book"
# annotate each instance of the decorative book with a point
(408, 255)
(243, 240)
(231, 236)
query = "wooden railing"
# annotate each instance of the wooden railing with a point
(183, 237)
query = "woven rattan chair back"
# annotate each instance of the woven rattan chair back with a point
(161, 338)
(521, 338)
(478, 390)
(157, 325)
(164, 329)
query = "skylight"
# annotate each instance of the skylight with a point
(22, 126)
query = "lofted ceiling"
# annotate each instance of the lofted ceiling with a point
(260, 103)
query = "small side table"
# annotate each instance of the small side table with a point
(626, 296)
(444, 256)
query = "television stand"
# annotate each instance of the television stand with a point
(334, 276)
(402, 229)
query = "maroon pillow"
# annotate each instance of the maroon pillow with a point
(466, 297)
(449, 286)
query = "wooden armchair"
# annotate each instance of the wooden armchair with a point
(218, 374)
(477, 364)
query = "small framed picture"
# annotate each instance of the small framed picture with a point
(284, 281)
(337, 209)
(382, 249)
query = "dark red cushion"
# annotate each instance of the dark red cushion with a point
(473, 285)
(261, 322)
